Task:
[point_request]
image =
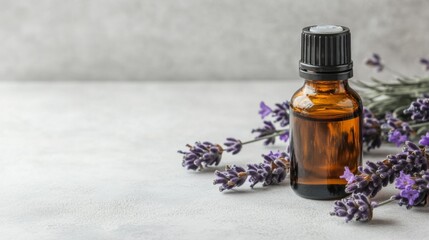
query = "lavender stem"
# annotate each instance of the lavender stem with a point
(277, 133)
(385, 202)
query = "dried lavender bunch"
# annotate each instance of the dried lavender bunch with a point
(201, 155)
(374, 176)
(414, 190)
(371, 131)
(419, 110)
(273, 170)
(357, 206)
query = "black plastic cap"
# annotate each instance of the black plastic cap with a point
(326, 55)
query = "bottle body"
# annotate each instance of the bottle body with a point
(326, 121)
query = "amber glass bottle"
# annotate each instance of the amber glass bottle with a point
(326, 115)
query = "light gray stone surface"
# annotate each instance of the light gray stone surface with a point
(197, 39)
(98, 161)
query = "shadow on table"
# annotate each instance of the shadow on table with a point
(381, 222)
(257, 189)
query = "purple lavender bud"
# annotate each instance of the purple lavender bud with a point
(414, 190)
(397, 138)
(357, 207)
(201, 155)
(281, 113)
(284, 136)
(273, 170)
(419, 110)
(375, 61)
(410, 194)
(348, 175)
(403, 181)
(232, 177)
(424, 141)
(264, 110)
(258, 173)
(399, 130)
(425, 62)
(267, 130)
(233, 145)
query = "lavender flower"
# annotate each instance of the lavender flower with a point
(264, 110)
(424, 141)
(357, 206)
(232, 177)
(375, 61)
(268, 129)
(399, 130)
(280, 164)
(281, 113)
(273, 170)
(371, 131)
(284, 136)
(396, 137)
(403, 181)
(408, 196)
(414, 190)
(348, 175)
(419, 110)
(233, 145)
(201, 155)
(425, 62)
(374, 176)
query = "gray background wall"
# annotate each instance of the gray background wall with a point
(197, 39)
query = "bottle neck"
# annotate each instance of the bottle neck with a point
(326, 86)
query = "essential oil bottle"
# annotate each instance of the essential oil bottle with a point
(326, 115)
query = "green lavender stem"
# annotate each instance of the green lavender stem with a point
(277, 133)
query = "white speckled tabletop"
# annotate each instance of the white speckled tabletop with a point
(97, 160)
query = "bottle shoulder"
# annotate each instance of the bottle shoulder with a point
(326, 104)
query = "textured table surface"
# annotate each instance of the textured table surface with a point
(98, 161)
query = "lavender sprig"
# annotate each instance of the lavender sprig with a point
(357, 206)
(374, 176)
(201, 155)
(232, 177)
(273, 170)
(268, 130)
(375, 61)
(419, 110)
(233, 145)
(281, 113)
(414, 191)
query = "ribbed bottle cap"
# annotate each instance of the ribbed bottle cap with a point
(325, 53)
